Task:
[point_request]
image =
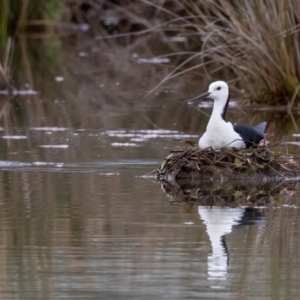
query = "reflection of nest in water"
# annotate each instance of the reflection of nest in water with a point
(230, 193)
(228, 163)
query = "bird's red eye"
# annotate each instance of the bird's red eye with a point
(218, 88)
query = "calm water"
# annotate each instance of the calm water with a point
(78, 219)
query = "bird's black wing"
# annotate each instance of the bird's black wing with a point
(248, 134)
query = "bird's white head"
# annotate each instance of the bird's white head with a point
(218, 91)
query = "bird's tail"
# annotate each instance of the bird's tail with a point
(261, 127)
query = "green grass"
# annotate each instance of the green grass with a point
(18, 15)
(4, 20)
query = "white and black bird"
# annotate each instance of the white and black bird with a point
(222, 133)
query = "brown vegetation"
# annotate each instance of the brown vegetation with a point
(256, 41)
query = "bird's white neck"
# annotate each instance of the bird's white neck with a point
(218, 113)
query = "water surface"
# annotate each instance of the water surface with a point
(78, 219)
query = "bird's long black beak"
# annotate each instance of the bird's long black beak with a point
(204, 95)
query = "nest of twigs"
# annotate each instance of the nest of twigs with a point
(228, 163)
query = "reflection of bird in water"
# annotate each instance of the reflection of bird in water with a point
(251, 216)
(220, 221)
(221, 133)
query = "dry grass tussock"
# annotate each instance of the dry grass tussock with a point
(256, 41)
(259, 41)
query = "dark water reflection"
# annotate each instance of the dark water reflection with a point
(78, 220)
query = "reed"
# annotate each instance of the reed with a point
(17, 15)
(4, 17)
(5, 64)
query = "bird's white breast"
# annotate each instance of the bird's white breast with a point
(220, 134)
